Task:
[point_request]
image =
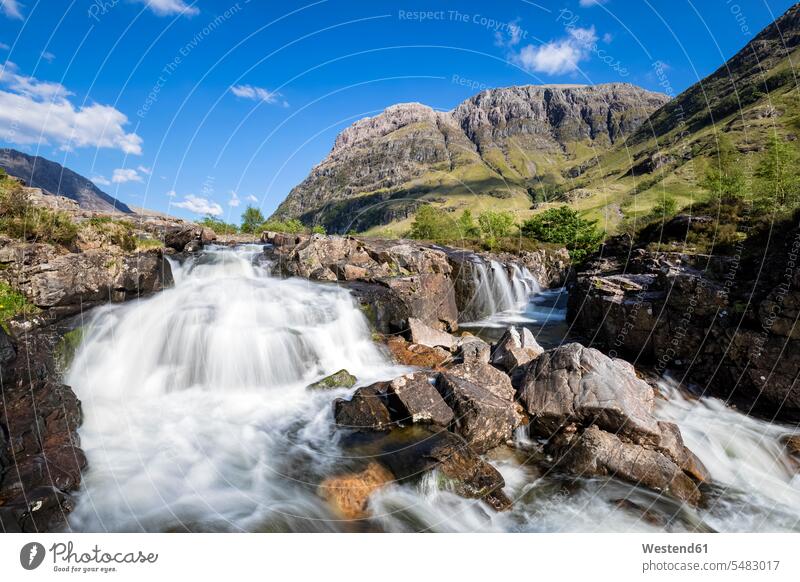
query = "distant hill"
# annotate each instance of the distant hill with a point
(53, 178)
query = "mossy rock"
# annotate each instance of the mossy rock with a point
(340, 379)
(68, 346)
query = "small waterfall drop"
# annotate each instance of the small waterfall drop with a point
(497, 290)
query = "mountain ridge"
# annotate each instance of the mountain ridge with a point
(53, 178)
(494, 143)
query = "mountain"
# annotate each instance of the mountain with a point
(55, 179)
(502, 148)
(611, 151)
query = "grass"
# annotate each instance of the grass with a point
(13, 304)
(22, 220)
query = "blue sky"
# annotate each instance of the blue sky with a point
(209, 105)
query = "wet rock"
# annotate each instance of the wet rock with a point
(515, 348)
(177, 237)
(42, 509)
(410, 354)
(340, 379)
(671, 444)
(792, 443)
(597, 452)
(7, 356)
(413, 399)
(414, 451)
(349, 493)
(366, 410)
(482, 418)
(581, 385)
(427, 336)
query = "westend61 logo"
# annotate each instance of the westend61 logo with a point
(66, 559)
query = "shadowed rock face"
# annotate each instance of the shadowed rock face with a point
(381, 158)
(55, 179)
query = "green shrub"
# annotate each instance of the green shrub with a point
(563, 225)
(219, 226)
(778, 176)
(291, 226)
(116, 232)
(725, 177)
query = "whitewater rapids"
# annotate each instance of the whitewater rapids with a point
(197, 418)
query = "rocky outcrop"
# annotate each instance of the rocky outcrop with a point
(515, 348)
(487, 145)
(349, 493)
(397, 281)
(598, 419)
(729, 322)
(63, 283)
(40, 455)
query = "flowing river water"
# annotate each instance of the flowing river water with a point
(197, 418)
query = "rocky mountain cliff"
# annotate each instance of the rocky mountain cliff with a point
(504, 144)
(54, 178)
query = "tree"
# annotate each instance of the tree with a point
(431, 223)
(564, 226)
(467, 226)
(495, 226)
(725, 176)
(252, 219)
(218, 226)
(778, 176)
(664, 209)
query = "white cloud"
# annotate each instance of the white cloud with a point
(252, 198)
(40, 112)
(48, 56)
(122, 175)
(11, 8)
(608, 37)
(145, 170)
(558, 56)
(101, 181)
(234, 201)
(509, 35)
(171, 194)
(169, 7)
(199, 205)
(586, 3)
(4, 46)
(256, 93)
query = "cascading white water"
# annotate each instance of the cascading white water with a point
(497, 290)
(196, 417)
(196, 414)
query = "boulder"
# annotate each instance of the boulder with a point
(349, 493)
(414, 451)
(340, 379)
(595, 452)
(482, 418)
(427, 336)
(473, 349)
(428, 298)
(366, 410)
(413, 399)
(410, 354)
(574, 384)
(485, 376)
(177, 237)
(515, 348)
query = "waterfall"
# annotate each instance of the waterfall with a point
(196, 414)
(497, 290)
(197, 418)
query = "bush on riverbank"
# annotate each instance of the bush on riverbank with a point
(12, 304)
